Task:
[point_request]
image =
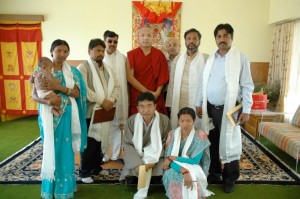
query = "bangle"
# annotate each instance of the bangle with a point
(169, 158)
(49, 102)
(187, 171)
(69, 91)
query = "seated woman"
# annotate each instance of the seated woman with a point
(186, 159)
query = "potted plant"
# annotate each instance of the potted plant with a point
(272, 90)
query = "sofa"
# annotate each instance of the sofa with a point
(284, 135)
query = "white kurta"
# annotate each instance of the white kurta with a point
(117, 62)
(187, 74)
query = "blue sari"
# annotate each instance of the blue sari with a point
(64, 183)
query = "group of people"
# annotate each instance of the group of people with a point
(171, 109)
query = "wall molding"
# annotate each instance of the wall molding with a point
(16, 17)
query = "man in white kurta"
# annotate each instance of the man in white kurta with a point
(145, 136)
(226, 82)
(185, 73)
(102, 92)
(173, 49)
(117, 61)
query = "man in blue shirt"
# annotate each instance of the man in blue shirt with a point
(226, 82)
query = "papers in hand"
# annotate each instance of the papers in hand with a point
(102, 115)
(144, 176)
(233, 114)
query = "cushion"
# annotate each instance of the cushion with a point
(296, 118)
(284, 136)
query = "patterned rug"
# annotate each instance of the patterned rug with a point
(257, 166)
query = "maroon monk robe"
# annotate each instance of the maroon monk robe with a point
(152, 72)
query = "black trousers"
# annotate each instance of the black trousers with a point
(165, 98)
(230, 172)
(91, 158)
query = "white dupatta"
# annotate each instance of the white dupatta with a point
(151, 152)
(196, 68)
(75, 123)
(230, 136)
(48, 162)
(95, 130)
(120, 71)
(196, 172)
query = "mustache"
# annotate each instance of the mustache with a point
(99, 61)
(222, 43)
(192, 47)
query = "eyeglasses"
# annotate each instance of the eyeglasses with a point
(111, 41)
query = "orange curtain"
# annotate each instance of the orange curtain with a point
(20, 49)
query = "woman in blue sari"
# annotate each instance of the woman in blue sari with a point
(64, 134)
(186, 159)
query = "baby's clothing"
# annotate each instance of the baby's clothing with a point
(40, 80)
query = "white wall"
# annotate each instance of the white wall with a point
(78, 21)
(284, 10)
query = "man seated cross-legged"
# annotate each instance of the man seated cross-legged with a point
(144, 140)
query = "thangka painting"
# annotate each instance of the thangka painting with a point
(20, 49)
(164, 18)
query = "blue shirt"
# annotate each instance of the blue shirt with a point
(217, 86)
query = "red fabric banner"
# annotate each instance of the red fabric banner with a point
(20, 49)
(160, 15)
(20, 33)
(164, 18)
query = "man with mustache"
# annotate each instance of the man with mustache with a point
(226, 82)
(185, 73)
(102, 92)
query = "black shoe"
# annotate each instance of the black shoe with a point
(228, 188)
(122, 182)
(120, 161)
(213, 178)
(156, 180)
(96, 171)
(131, 180)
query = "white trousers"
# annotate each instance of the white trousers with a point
(116, 138)
(143, 192)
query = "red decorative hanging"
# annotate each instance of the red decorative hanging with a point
(154, 17)
(20, 49)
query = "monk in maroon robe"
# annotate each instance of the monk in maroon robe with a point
(147, 71)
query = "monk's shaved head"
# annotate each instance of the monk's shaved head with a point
(145, 37)
(145, 29)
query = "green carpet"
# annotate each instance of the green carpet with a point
(104, 191)
(289, 160)
(17, 134)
